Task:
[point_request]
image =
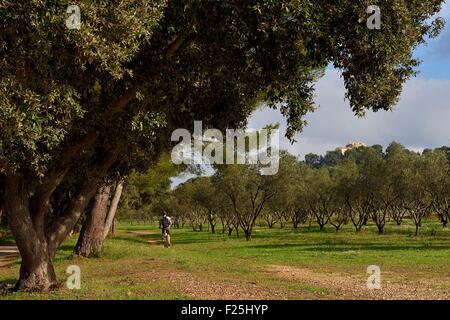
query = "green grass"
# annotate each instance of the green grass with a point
(132, 268)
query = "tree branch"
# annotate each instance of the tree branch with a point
(57, 174)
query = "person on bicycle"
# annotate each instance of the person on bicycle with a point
(165, 223)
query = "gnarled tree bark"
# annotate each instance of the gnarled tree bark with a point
(110, 218)
(91, 236)
(99, 221)
(36, 238)
(36, 270)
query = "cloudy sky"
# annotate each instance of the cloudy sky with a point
(420, 120)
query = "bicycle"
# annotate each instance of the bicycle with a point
(166, 239)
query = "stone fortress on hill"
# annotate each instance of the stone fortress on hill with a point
(351, 145)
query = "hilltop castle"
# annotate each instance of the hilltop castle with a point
(351, 145)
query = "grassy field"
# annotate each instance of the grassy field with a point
(276, 264)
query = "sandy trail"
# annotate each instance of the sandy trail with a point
(340, 286)
(318, 285)
(7, 255)
(144, 234)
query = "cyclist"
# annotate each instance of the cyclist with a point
(165, 225)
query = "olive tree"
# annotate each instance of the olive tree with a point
(248, 192)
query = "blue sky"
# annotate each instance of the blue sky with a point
(420, 120)
(436, 56)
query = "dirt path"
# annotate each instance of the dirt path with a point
(205, 289)
(7, 255)
(340, 286)
(144, 234)
(191, 284)
(309, 284)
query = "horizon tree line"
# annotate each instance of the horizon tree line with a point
(364, 185)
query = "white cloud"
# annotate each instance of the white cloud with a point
(420, 120)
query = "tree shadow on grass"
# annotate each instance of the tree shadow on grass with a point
(143, 239)
(6, 287)
(342, 247)
(7, 241)
(176, 238)
(66, 247)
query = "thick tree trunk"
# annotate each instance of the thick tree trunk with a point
(36, 271)
(91, 236)
(60, 227)
(36, 233)
(109, 223)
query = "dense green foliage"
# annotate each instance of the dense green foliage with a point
(57, 84)
(146, 193)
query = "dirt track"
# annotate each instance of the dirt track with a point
(354, 287)
(7, 254)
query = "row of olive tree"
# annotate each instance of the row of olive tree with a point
(234, 198)
(365, 185)
(371, 185)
